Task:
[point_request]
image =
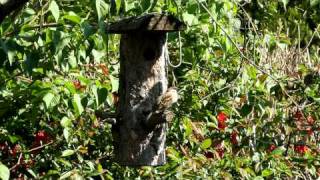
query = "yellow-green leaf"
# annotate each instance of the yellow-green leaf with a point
(54, 8)
(206, 144)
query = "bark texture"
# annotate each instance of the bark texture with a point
(139, 139)
(8, 6)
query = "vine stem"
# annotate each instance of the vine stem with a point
(40, 147)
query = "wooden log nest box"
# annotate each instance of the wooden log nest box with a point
(139, 133)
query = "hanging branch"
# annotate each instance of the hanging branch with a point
(8, 6)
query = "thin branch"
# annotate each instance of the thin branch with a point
(35, 27)
(39, 147)
(18, 162)
(248, 16)
(311, 39)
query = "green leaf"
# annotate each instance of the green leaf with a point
(314, 3)
(48, 99)
(285, 3)
(32, 173)
(77, 104)
(102, 94)
(267, 172)
(114, 83)
(102, 9)
(66, 122)
(118, 5)
(66, 175)
(69, 87)
(54, 8)
(278, 151)
(67, 152)
(95, 93)
(252, 72)
(206, 144)
(146, 4)
(67, 134)
(73, 17)
(13, 138)
(4, 172)
(72, 60)
(190, 19)
(98, 55)
(258, 178)
(187, 127)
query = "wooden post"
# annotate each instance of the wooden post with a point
(144, 98)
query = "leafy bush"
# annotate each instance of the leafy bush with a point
(242, 113)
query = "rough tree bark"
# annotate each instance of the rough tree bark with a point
(142, 80)
(8, 6)
(140, 130)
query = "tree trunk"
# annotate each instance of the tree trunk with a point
(138, 139)
(9, 6)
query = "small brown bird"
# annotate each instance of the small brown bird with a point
(167, 99)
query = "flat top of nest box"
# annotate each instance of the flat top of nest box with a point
(149, 22)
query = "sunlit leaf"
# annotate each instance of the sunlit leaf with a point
(54, 8)
(267, 172)
(77, 104)
(48, 99)
(206, 144)
(4, 172)
(67, 152)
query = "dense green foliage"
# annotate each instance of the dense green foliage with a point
(249, 87)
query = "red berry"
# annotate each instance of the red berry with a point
(298, 116)
(41, 136)
(301, 149)
(310, 120)
(77, 84)
(3, 147)
(16, 149)
(222, 125)
(310, 132)
(222, 117)
(271, 148)
(220, 150)
(208, 154)
(233, 137)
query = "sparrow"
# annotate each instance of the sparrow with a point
(168, 99)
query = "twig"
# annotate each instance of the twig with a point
(310, 41)
(288, 144)
(248, 16)
(39, 147)
(34, 27)
(217, 91)
(18, 162)
(25, 79)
